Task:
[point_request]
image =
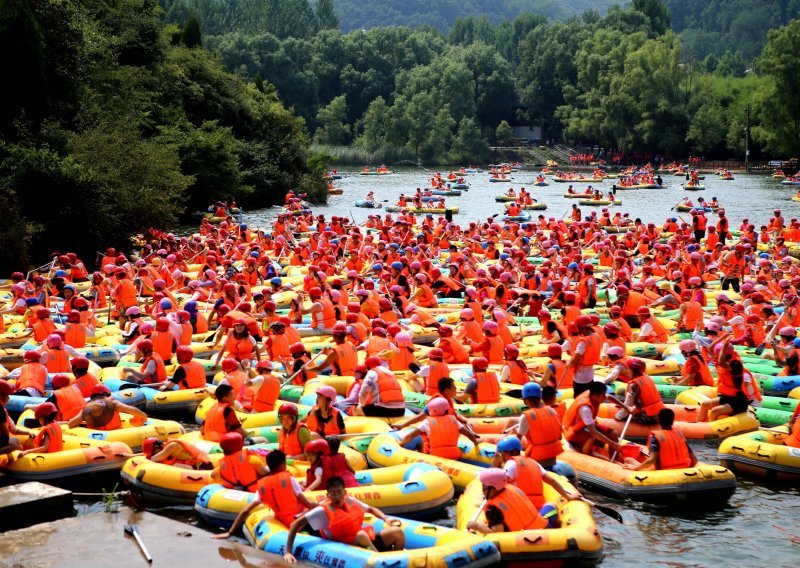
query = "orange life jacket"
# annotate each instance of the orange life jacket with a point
(239, 349)
(793, 439)
(54, 434)
(705, 375)
(276, 492)
(659, 334)
(563, 375)
(544, 433)
(517, 372)
(518, 512)
(267, 395)
(114, 423)
(32, 375)
(436, 370)
(214, 426)
(236, 470)
(529, 480)
(454, 351)
(488, 390)
(649, 396)
(69, 401)
(388, 387)
(347, 360)
(86, 383)
(289, 443)
(328, 428)
(326, 318)
(443, 438)
(343, 523)
(572, 422)
(75, 335)
(161, 370)
(593, 347)
(401, 359)
(279, 346)
(673, 451)
(162, 344)
(42, 329)
(57, 361)
(195, 376)
(692, 315)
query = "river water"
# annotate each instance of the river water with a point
(760, 526)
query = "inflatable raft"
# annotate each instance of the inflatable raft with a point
(762, 454)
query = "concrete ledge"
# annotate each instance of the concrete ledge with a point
(98, 541)
(26, 504)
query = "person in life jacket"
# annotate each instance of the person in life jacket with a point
(793, 439)
(293, 436)
(340, 518)
(8, 443)
(84, 380)
(580, 427)
(440, 431)
(239, 468)
(694, 371)
(321, 309)
(517, 513)
(514, 371)
(56, 354)
(557, 372)
(586, 354)
(668, 448)
(301, 358)
(68, 399)
(323, 468)
(454, 351)
(240, 345)
(483, 387)
(642, 399)
(177, 453)
(152, 369)
(324, 419)
(103, 412)
(541, 425)
(342, 358)
(731, 396)
(32, 376)
(49, 439)
(266, 387)
(650, 329)
(189, 374)
(380, 394)
(221, 417)
(279, 491)
(433, 371)
(527, 474)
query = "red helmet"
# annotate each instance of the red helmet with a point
(6, 388)
(644, 311)
(339, 328)
(144, 345)
(264, 364)
(31, 356)
(288, 408)
(372, 362)
(637, 365)
(480, 364)
(229, 364)
(435, 353)
(583, 321)
(101, 390)
(184, 354)
(60, 381)
(315, 292)
(45, 409)
(611, 328)
(297, 348)
(229, 287)
(80, 363)
(554, 350)
(231, 443)
(445, 331)
(162, 324)
(318, 446)
(42, 313)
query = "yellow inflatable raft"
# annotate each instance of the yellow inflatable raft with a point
(80, 456)
(762, 454)
(576, 542)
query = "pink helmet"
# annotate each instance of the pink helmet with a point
(493, 477)
(616, 352)
(438, 407)
(328, 392)
(403, 339)
(687, 345)
(713, 326)
(491, 327)
(787, 331)
(467, 313)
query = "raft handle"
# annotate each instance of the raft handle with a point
(534, 541)
(687, 474)
(737, 448)
(637, 478)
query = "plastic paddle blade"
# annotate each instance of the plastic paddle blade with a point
(760, 349)
(613, 513)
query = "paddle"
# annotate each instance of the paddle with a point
(767, 339)
(622, 436)
(358, 434)
(613, 513)
(479, 511)
(131, 530)
(292, 376)
(764, 428)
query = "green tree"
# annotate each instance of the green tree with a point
(504, 133)
(326, 17)
(332, 119)
(657, 13)
(192, 35)
(469, 146)
(779, 61)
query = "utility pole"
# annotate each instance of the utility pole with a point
(747, 139)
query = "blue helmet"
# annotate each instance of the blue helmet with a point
(397, 265)
(190, 306)
(165, 304)
(254, 254)
(243, 227)
(504, 256)
(276, 281)
(31, 302)
(60, 273)
(573, 266)
(509, 444)
(796, 342)
(377, 266)
(531, 390)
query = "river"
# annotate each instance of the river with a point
(760, 526)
